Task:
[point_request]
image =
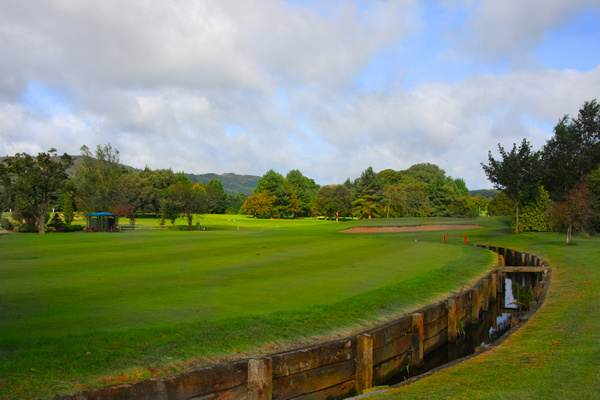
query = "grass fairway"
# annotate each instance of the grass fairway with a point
(85, 310)
(556, 355)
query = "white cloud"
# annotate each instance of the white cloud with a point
(234, 86)
(509, 30)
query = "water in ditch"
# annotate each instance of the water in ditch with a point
(518, 291)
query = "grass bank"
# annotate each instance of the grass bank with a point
(556, 355)
(84, 310)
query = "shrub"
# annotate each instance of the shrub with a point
(49, 229)
(5, 224)
(28, 228)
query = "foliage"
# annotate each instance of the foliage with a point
(575, 212)
(68, 214)
(333, 201)
(517, 174)
(33, 183)
(463, 206)
(535, 213)
(573, 152)
(500, 205)
(56, 221)
(189, 199)
(96, 179)
(368, 194)
(260, 204)
(5, 224)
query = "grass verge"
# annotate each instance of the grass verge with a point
(556, 355)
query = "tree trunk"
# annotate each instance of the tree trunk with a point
(42, 221)
(569, 230)
(517, 224)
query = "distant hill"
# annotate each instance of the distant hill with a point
(487, 193)
(232, 183)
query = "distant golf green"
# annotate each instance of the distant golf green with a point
(84, 310)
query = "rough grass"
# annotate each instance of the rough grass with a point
(84, 310)
(556, 355)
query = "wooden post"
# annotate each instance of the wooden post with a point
(418, 337)
(475, 303)
(485, 288)
(364, 363)
(494, 289)
(452, 320)
(260, 379)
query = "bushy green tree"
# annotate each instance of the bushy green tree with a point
(535, 213)
(96, 179)
(33, 183)
(518, 173)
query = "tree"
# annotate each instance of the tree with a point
(96, 179)
(573, 151)
(333, 200)
(575, 213)
(305, 190)
(260, 204)
(135, 194)
(33, 182)
(394, 200)
(369, 190)
(68, 215)
(190, 199)
(501, 204)
(517, 174)
(274, 184)
(216, 196)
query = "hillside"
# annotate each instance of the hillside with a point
(232, 183)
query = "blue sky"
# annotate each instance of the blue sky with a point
(326, 87)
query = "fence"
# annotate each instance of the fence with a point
(339, 369)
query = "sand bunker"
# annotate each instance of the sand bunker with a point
(420, 228)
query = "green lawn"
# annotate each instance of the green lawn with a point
(556, 355)
(83, 310)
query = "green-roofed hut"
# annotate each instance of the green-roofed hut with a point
(102, 222)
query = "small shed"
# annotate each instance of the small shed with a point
(102, 222)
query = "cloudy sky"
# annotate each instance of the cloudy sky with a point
(326, 87)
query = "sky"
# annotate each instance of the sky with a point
(329, 88)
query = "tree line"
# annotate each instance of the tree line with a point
(423, 190)
(556, 187)
(32, 186)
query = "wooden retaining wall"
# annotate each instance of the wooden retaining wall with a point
(334, 370)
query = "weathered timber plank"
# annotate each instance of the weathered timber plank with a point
(417, 339)
(313, 380)
(397, 347)
(434, 312)
(337, 392)
(435, 327)
(293, 362)
(185, 385)
(207, 380)
(435, 341)
(364, 363)
(260, 379)
(383, 372)
(390, 332)
(236, 393)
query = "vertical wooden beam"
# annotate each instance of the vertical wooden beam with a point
(494, 288)
(485, 289)
(475, 304)
(260, 379)
(364, 363)
(452, 322)
(418, 337)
